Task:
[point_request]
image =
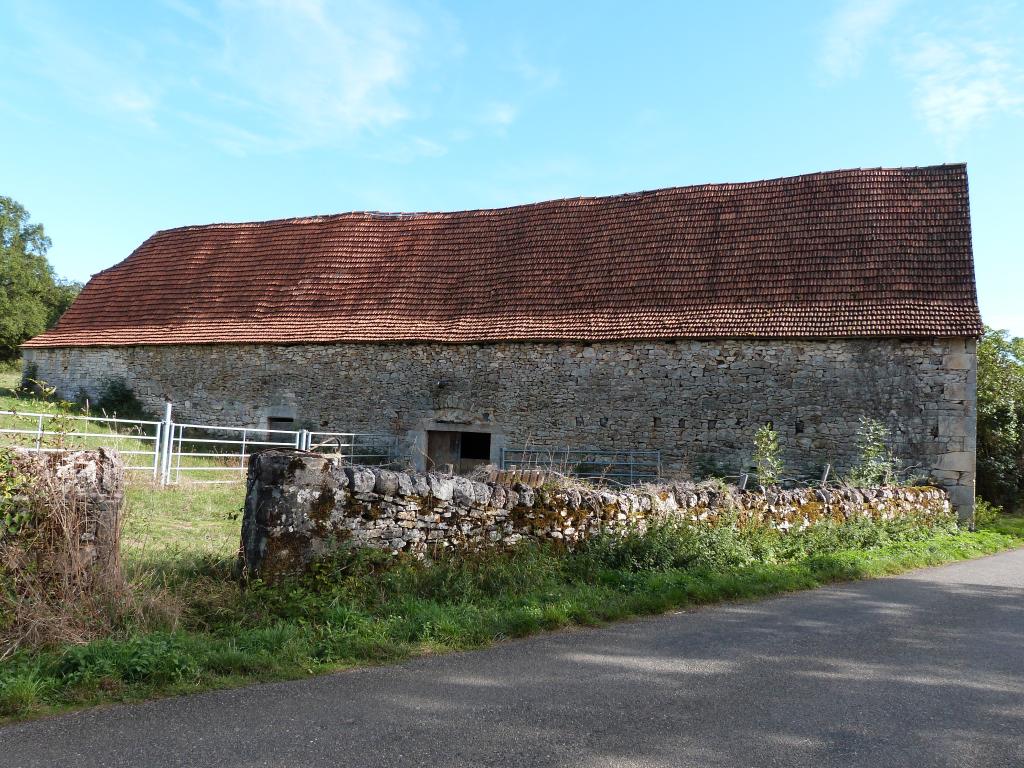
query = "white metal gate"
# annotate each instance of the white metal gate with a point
(138, 440)
(172, 451)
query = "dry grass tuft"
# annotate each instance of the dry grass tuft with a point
(60, 563)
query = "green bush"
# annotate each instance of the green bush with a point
(16, 496)
(985, 513)
(156, 659)
(676, 544)
(727, 545)
(23, 692)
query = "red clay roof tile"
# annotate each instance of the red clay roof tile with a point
(859, 253)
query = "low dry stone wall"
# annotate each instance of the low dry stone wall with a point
(301, 505)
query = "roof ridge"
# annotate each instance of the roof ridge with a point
(595, 199)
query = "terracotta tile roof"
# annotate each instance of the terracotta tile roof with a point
(881, 252)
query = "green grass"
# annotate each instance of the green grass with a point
(193, 629)
(179, 531)
(1008, 525)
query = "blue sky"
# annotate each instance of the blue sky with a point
(121, 118)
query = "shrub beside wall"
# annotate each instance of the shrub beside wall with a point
(299, 506)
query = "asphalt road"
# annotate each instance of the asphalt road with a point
(925, 669)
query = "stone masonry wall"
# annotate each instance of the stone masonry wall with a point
(301, 505)
(698, 402)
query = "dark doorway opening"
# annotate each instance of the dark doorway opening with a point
(463, 450)
(276, 425)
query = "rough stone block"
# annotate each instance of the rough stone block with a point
(95, 481)
(463, 491)
(360, 479)
(955, 426)
(954, 391)
(960, 461)
(962, 499)
(386, 483)
(959, 362)
(441, 487)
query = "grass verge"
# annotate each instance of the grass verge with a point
(201, 632)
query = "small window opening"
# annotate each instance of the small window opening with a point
(476, 446)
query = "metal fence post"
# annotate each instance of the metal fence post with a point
(167, 432)
(39, 433)
(158, 446)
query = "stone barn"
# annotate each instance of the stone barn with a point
(678, 320)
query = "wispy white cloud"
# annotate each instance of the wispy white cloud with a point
(406, 150)
(317, 74)
(260, 75)
(133, 100)
(230, 138)
(959, 83)
(535, 74)
(960, 70)
(186, 9)
(849, 33)
(102, 82)
(499, 113)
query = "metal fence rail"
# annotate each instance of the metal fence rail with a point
(205, 453)
(50, 432)
(173, 452)
(356, 448)
(615, 466)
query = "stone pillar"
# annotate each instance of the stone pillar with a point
(955, 468)
(78, 496)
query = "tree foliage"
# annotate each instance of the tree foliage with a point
(1001, 418)
(32, 298)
